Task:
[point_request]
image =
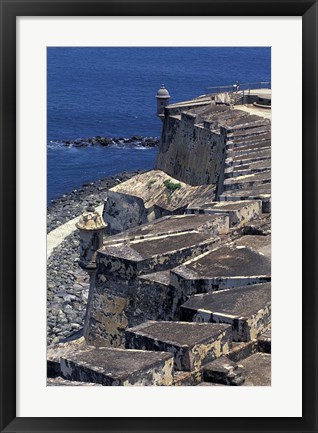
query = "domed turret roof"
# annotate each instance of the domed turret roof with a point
(91, 220)
(163, 92)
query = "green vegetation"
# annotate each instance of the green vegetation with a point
(171, 187)
(150, 183)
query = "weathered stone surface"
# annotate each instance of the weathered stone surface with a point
(189, 151)
(247, 181)
(148, 196)
(55, 352)
(249, 168)
(261, 244)
(223, 371)
(225, 267)
(59, 381)
(256, 131)
(257, 369)
(192, 344)
(248, 140)
(152, 254)
(245, 123)
(120, 300)
(210, 224)
(265, 342)
(258, 192)
(135, 281)
(239, 212)
(118, 367)
(247, 309)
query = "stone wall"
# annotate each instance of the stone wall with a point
(190, 151)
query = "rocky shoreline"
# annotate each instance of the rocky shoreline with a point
(67, 283)
(71, 205)
(136, 140)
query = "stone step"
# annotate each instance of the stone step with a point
(239, 212)
(225, 267)
(237, 142)
(59, 381)
(258, 192)
(192, 344)
(247, 181)
(250, 168)
(240, 134)
(247, 122)
(223, 371)
(237, 149)
(257, 369)
(152, 254)
(213, 225)
(246, 158)
(247, 309)
(119, 367)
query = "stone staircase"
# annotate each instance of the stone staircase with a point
(248, 162)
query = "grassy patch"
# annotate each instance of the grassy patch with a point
(171, 187)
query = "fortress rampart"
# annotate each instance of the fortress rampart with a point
(180, 287)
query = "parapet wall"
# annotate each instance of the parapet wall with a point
(190, 151)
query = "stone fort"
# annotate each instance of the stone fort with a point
(179, 260)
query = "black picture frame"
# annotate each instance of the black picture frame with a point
(10, 9)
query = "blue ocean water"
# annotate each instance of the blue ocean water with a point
(111, 92)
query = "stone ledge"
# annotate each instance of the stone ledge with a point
(192, 344)
(119, 367)
(247, 309)
(224, 267)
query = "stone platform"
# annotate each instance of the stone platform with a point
(192, 344)
(239, 212)
(225, 267)
(117, 367)
(247, 309)
(153, 254)
(212, 224)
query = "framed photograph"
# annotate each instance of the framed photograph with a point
(124, 202)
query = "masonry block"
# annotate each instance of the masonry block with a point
(225, 267)
(247, 309)
(192, 344)
(239, 212)
(119, 367)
